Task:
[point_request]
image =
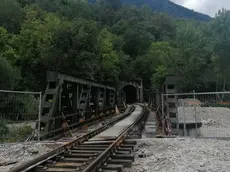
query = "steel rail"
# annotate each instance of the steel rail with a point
(20, 92)
(101, 159)
(76, 126)
(25, 167)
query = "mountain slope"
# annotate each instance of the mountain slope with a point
(168, 7)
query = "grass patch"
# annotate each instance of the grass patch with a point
(4, 130)
(14, 134)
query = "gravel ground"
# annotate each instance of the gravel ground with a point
(22, 124)
(182, 155)
(20, 152)
(215, 120)
(17, 153)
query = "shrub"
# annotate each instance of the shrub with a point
(4, 130)
(15, 134)
(19, 134)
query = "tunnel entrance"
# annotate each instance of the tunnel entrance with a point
(131, 94)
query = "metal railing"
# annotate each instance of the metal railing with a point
(19, 114)
(203, 114)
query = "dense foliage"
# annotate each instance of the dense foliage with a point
(107, 42)
(166, 6)
(171, 8)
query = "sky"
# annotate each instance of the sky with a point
(209, 7)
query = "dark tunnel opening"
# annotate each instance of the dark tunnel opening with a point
(131, 94)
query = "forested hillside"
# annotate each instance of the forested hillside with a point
(166, 6)
(109, 43)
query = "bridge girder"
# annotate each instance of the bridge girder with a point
(73, 100)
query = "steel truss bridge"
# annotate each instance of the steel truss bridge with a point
(72, 100)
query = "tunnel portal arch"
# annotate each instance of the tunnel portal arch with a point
(130, 92)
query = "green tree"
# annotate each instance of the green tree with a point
(6, 49)
(137, 41)
(33, 40)
(158, 77)
(73, 9)
(108, 42)
(9, 74)
(74, 48)
(221, 34)
(9, 77)
(108, 57)
(10, 15)
(158, 54)
(195, 55)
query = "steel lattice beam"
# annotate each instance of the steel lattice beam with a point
(72, 99)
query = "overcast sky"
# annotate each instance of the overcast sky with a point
(209, 7)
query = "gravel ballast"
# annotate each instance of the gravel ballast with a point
(181, 155)
(14, 154)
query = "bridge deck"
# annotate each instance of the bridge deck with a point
(117, 129)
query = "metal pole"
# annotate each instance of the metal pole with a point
(162, 111)
(184, 118)
(78, 103)
(59, 110)
(195, 121)
(194, 94)
(39, 115)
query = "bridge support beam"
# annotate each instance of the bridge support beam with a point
(71, 99)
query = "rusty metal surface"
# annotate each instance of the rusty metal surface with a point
(69, 164)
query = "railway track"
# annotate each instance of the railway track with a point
(104, 149)
(90, 122)
(84, 128)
